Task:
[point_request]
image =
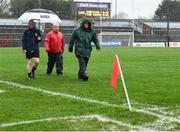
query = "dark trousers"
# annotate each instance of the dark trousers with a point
(83, 62)
(55, 58)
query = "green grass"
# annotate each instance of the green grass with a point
(152, 77)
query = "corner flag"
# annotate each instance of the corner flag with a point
(117, 71)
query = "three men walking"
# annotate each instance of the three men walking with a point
(81, 39)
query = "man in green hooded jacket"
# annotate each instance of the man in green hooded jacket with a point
(82, 37)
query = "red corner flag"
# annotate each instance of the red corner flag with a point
(116, 72)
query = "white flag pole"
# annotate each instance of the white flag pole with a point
(124, 85)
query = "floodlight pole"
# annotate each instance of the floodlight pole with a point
(133, 22)
(100, 21)
(168, 22)
(152, 27)
(111, 9)
(116, 9)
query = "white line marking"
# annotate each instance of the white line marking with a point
(159, 110)
(141, 110)
(166, 119)
(74, 97)
(172, 119)
(60, 94)
(2, 91)
(163, 124)
(85, 117)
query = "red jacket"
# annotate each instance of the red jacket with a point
(54, 42)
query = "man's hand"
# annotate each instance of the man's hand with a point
(39, 38)
(24, 51)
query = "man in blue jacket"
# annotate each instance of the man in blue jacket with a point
(30, 46)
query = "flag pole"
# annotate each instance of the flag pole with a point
(124, 85)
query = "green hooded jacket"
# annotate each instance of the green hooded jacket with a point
(82, 39)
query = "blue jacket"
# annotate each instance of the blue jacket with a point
(30, 41)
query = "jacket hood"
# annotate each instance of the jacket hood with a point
(84, 20)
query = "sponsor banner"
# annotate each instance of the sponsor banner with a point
(149, 44)
(174, 44)
(110, 43)
(97, 1)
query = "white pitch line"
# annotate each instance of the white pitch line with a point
(158, 108)
(2, 91)
(60, 94)
(145, 111)
(85, 117)
(172, 119)
(160, 111)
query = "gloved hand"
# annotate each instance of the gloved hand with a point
(70, 50)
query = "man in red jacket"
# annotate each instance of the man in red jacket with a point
(54, 44)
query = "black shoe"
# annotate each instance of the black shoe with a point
(85, 78)
(29, 76)
(48, 73)
(59, 75)
(33, 73)
(79, 77)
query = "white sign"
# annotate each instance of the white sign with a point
(174, 44)
(97, 1)
(149, 44)
(110, 43)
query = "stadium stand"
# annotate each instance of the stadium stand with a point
(120, 31)
(11, 29)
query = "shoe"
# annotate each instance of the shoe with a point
(79, 77)
(33, 73)
(59, 75)
(29, 76)
(47, 73)
(85, 78)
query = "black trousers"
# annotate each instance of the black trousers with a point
(55, 58)
(83, 63)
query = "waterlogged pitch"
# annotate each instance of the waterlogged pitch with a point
(152, 76)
